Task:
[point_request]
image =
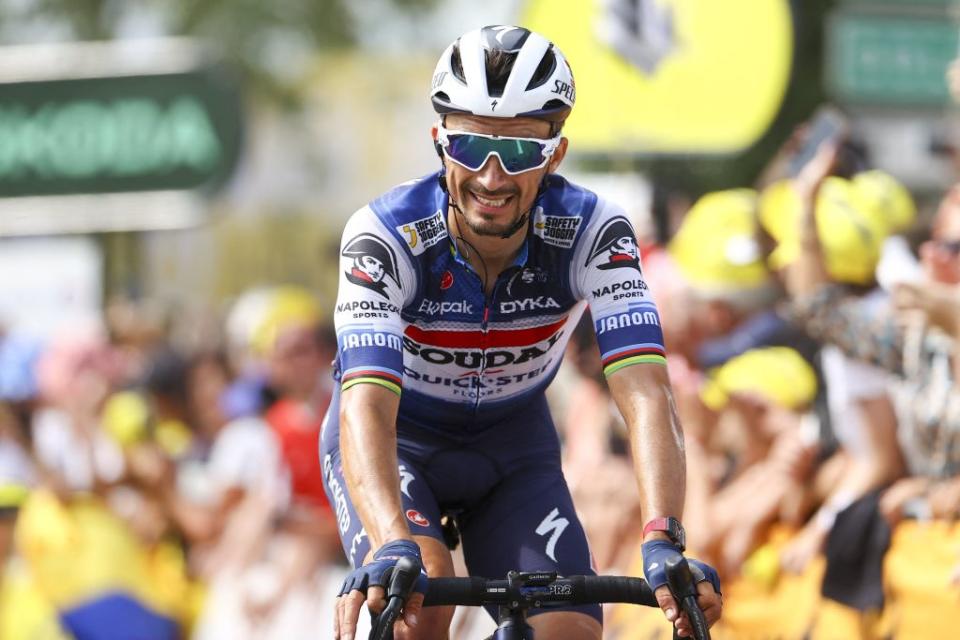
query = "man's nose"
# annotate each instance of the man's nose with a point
(492, 175)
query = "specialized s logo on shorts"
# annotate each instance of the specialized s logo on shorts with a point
(553, 525)
(373, 261)
(616, 245)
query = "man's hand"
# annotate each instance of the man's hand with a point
(656, 553)
(893, 500)
(368, 584)
(938, 302)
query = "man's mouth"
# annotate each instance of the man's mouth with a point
(491, 203)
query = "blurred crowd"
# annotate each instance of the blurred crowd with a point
(151, 488)
(811, 326)
(173, 486)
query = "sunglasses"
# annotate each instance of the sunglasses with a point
(516, 155)
(949, 246)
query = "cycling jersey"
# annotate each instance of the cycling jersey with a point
(475, 440)
(412, 315)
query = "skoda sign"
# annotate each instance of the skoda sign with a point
(135, 131)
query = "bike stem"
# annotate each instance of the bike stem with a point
(513, 625)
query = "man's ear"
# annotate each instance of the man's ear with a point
(434, 134)
(557, 156)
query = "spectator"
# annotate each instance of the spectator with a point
(862, 415)
(920, 355)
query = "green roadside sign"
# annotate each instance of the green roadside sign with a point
(887, 59)
(901, 4)
(131, 132)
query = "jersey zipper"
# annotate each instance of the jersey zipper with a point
(484, 342)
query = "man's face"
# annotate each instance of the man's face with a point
(491, 199)
(940, 255)
(372, 267)
(296, 361)
(626, 246)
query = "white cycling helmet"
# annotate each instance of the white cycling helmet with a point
(529, 78)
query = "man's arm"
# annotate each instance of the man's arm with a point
(643, 395)
(368, 446)
(376, 278)
(368, 452)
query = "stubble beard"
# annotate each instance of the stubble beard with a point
(479, 225)
(485, 225)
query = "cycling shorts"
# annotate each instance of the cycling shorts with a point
(504, 486)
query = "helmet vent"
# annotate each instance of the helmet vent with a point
(544, 70)
(499, 65)
(554, 105)
(456, 64)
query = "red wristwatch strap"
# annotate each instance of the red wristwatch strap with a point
(657, 524)
(669, 526)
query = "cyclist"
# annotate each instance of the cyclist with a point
(461, 289)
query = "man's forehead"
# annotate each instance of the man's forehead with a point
(518, 127)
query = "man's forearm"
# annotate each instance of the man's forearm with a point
(368, 449)
(645, 400)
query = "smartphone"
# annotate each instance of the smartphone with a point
(827, 124)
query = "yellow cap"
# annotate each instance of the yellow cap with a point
(888, 199)
(174, 437)
(716, 246)
(290, 305)
(850, 233)
(125, 417)
(778, 374)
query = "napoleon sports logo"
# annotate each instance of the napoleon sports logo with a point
(616, 246)
(373, 262)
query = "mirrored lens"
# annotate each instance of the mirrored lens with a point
(515, 155)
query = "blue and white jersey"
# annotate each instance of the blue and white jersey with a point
(411, 313)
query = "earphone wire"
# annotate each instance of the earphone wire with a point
(467, 247)
(520, 223)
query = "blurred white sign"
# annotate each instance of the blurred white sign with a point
(50, 284)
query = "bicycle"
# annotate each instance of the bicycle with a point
(522, 591)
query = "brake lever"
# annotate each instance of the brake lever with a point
(684, 588)
(400, 579)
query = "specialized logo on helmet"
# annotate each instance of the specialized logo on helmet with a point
(505, 38)
(617, 243)
(373, 261)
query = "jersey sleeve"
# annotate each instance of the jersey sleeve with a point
(607, 274)
(373, 271)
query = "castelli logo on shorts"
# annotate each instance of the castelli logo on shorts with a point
(417, 518)
(446, 281)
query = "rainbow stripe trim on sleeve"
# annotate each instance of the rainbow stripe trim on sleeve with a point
(637, 354)
(372, 375)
